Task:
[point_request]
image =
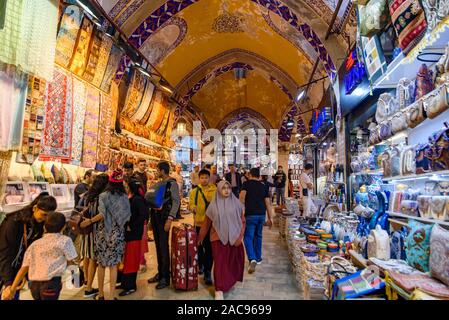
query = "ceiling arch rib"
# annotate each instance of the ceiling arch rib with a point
(244, 114)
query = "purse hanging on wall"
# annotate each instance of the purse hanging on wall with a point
(398, 122)
(386, 107)
(438, 152)
(424, 82)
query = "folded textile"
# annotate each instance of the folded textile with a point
(421, 281)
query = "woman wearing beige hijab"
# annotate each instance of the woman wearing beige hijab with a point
(226, 220)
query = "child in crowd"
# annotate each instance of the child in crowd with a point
(46, 260)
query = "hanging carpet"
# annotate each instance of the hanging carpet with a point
(94, 55)
(145, 103)
(90, 138)
(67, 35)
(103, 56)
(79, 110)
(79, 59)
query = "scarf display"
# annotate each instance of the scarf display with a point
(226, 215)
(29, 36)
(157, 112)
(114, 103)
(112, 65)
(103, 56)
(90, 138)
(33, 123)
(13, 89)
(79, 110)
(67, 35)
(104, 132)
(164, 123)
(171, 121)
(145, 103)
(57, 137)
(94, 55)
(134, 95)
(79, 59)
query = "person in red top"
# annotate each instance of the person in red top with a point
(226, 221)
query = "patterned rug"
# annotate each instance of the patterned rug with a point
(164, 123)
(134, 95)
(111, 68)
(105, 124)
(90, 140)
(67, 35)
(79, 59)
(94, 55)
(79, 109)
(57, 138)
(145, 103)
(103, 56)
(114, 103)
(157, 111)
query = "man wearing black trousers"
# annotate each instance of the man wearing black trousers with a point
(161, 220)
(235, 179)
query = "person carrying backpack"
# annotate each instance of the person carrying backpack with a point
(200, 198)
(162, 215)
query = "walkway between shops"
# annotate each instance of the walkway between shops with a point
(273, 279)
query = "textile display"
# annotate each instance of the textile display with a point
(422, 281)
(104, 132)
(409, 21)
(157, 112)
(134, 95)
(2, 14)
(103, 56)
(79, 110)
(33, 123)
(164, 123)
(79, 59)
(145, 103)
(90, 138)
(114, 103)
(417, 246)
(146, 117)
(57, 137)
(13, 89)
(67, 35)
(112, 65)
(29, 36)
(439, 254)
(171, 121)
(94, 55)
(5, 161)
(116, 160)
(103, 158)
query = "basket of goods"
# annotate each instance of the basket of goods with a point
(326, 236)
(332, 247)
(322, 245)
(320, 231)
(313, 238)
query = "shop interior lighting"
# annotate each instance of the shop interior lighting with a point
(301, 95)
(164, 85)
(86, 8)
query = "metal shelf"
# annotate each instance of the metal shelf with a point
(426, 220)
(374, 172)
(418, 176)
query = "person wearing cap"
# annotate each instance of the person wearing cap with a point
(114, 212)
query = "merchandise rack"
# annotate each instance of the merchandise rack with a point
(428, 175)
(426, 220)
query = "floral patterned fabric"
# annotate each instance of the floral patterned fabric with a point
(134, 95)
(439, 254)
(112, 65)
(67, 34)
(145, 103)
(57, 138)
(103, 56)
(94, 55)
(79, 110)
(79, 59)
(90, 138)
(418, 245)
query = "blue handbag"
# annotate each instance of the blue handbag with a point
(155, 196)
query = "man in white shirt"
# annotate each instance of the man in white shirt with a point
(306, 184)
(179, 179)
(194, 176)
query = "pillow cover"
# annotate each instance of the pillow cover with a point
(439, 254)
(418, 245)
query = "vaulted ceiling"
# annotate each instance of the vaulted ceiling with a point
(198, 45)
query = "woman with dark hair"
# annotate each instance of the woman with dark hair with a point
(90, 200)
(133, 236)
(109, 239)
(17, 232)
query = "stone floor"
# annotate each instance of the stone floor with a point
(273, 279)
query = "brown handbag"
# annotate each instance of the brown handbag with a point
(415, 113)
(438, 207)
(75, 220)
(436, 102)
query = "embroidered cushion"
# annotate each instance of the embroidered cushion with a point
(418, 245)
(436, 11)
(372, 17)
(439, 254)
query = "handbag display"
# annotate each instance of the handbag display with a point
(374, 135)
(439, 254)
(386, 107)
(415, 113)
(405, 93)
(424, 82)
(385, 131)
(422, 158)
(386, 163)
(395, 159)
(436, 11)
(373, 17)
(437, 101)
(424, 206)
(410, 207)
(438, 151)
(408, 164)
(442, 67)
(398, 122)
(438, 207)
(379, 244)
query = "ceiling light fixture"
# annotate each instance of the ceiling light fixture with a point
(301, 95)
(165, 86)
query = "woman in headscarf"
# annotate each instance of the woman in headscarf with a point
(226, 220)
(133, 236)
(109, 244)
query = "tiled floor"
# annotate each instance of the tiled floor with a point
(273, 279)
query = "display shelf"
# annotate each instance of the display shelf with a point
(400, 222)
(402, 67)
(418, 176)
(426, 220)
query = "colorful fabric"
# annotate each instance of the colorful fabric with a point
(409, 21)
(106, 117)
(164, 123)
(134, 95)
(33, 123)
(418, 245)
(79, 59)
(229, 264)
(57, 138)
(114, 103)
(103, 56)
(439, 254)
(67, 35)
(103, 158)
(422, 281)
(94, 55)
(170, 124)
(79, 110)
(145, 102)
(13, 88)
(157, 111)
(90, 138)
(113, 61)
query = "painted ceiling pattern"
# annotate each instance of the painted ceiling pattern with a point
(244, 115)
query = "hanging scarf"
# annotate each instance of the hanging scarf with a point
(79, 110)
(113, 61)
(103, 56)
(145, 103)
(94, 55)
(67, 35)
(226, 215)
(79, 59)
(91, 128)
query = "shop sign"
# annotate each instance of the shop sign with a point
(320, 122)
